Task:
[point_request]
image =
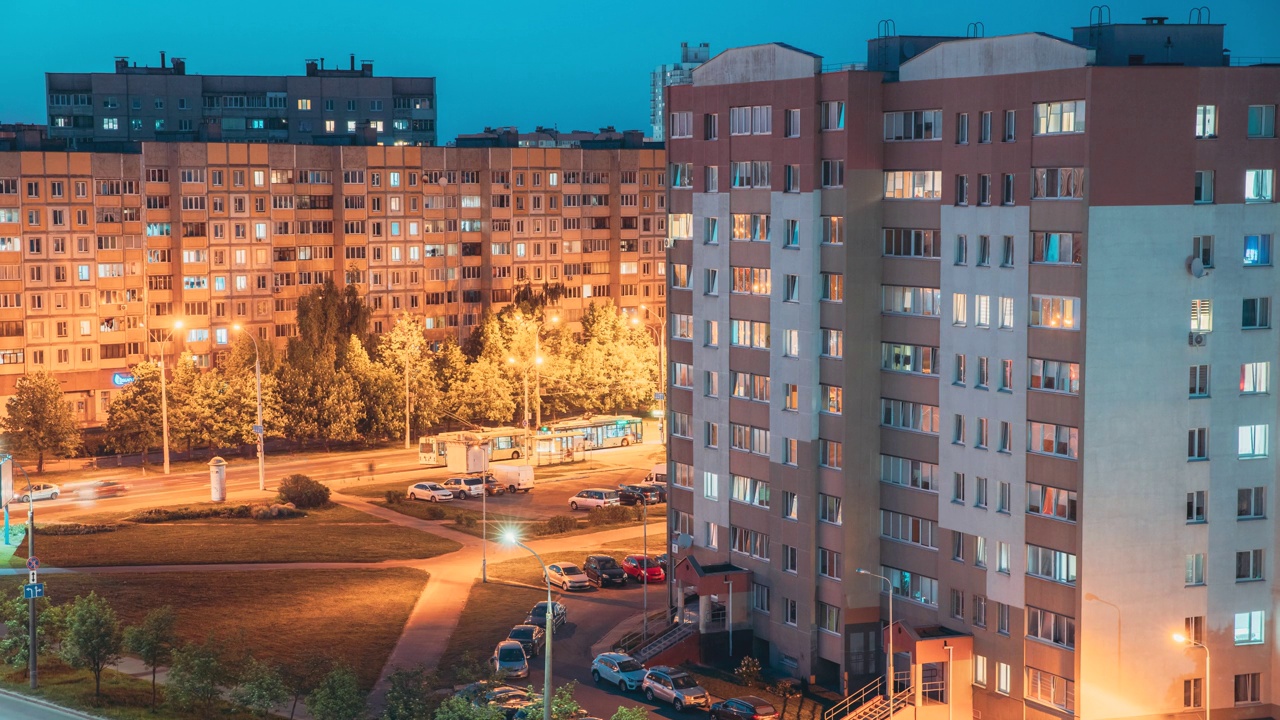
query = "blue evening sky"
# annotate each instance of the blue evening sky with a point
(577, 65)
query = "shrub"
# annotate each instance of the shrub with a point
(75, 529)
(275, 512)
(393, 497)
(162, 515)
(466, 520)
(560, 524)
(748, 671)
(610, 515)
(303, 492)
(435, 512)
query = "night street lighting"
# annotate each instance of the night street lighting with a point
(1208, 674)
(889, 662)
(510, 538)
(257, 429)
(536, 363)
(164, 396)
(662, 377)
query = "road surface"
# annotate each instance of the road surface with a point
(15, 708)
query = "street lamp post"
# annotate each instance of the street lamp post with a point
(258, 429)
(889, 660)
(511, 539)
(164, 397)
(1208, 673)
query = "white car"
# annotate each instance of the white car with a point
(568, 576)
(429, 491)
(593, 498)
(618, 669)
(39, 491)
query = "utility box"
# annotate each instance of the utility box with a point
(218, 480)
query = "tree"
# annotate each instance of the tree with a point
(322, 401)
(261, 688)
(327, 317)
(302, 677)
(380, 392)
(92, 639)
(485, 394)
(411, 694)
(748, 671)
(786, 689)
(337, 697)
(631, 713)
(563, 706)
(40, 420)
(134, 418)
(458, 708)
(14, 645)
(153, 641)
(404, 352)
(197, 675)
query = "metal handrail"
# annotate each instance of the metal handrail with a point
(845, 707)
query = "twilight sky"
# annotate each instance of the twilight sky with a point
(575, 65)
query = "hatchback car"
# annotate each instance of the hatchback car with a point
(593, 498)
(604, 570)
(39, 491)
(660, 488)
(637, 494)
(643, 569)
(464, 487)
(508, 660)
(493, 487)
(747, 707)
(567, 576)
(103, 489)
(538, 616)
(531, 637)
(617, 669)
(429, 491)
(674, 686)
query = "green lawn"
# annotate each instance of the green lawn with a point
(336, 534)
(284, 616)
(491, 611)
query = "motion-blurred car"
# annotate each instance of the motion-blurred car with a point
(509, 661)
(604, 570)
(618, 669)
(39, 491)
(643, 569)
(429, 491)
(637, 494)
(101, 489)
(531, 637)
(567, 576)
(747, 707)
(674, 686)
(538, 616)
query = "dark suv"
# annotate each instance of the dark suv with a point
(637, 494)
(538, 616)
(604, 570)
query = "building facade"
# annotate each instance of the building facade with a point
(101, 252)
(328, 106)
(664, 76)
(939, 329)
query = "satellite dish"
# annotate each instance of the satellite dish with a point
(1195, 266)
(684, 541)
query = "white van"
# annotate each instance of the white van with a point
(514, 477)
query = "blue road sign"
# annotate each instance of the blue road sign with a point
(659, 396)
(121, 379)
(257, 429)
(33, 563)
(33, 591)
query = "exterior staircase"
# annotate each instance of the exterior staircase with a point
(668, 639)
(871, 703)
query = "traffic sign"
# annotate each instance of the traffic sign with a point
(33, 563)
(659, 396)
(32, 576)
(121, 379)
(33, 591)
(257, 429)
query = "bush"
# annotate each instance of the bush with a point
(75, 529)
(393, 497)
(303, 492)
(748, 671)
(275, 512)
(162, 515)
(466, 520)
(560, 524)
(610, 515)
(435, 512)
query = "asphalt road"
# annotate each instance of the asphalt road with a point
(15, 708)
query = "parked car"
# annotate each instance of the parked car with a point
(567, 576)
(514, 477)
(429, 491)
(509, 700)
(101, 489)
(464, 487)
(618, 669)
(593, 498)
(674, 686)
(531, 637)
(39, 491)
(493, 487)
(538, 616)
(747, 707)
(643, 569)
(509, 661)
(660, 488)
(657, 478)
(602, 570)
(637, 494)
(662, 561)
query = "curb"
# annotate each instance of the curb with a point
(48, 705)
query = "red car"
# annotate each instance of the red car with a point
(643, 569)
(99, 490)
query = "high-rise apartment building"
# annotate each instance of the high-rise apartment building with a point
(990, 319)
(664, 76)
(101, 252)
(326, 106)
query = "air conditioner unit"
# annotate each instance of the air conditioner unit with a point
(670, 243)
(123, 306)
(1196, 339)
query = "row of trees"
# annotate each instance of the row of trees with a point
(336, 381)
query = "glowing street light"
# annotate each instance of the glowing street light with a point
(164, 396)
(509, 537)
(257, 429)
(1208, 674)
(889, 662)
